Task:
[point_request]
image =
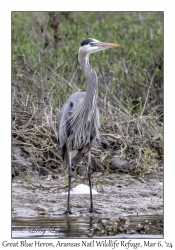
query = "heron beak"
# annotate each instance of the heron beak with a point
(108, 45)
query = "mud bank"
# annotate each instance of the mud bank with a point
(118, 195)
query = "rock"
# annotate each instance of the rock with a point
(105, 143)
(21, 161)
(96, 164)
(43, 171)
(18, 165)
(122, 165)
(15, 172)
(110, 226)
(54, 176)
(81, 170)
(104, 222)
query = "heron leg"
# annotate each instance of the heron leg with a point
(91, 209)
(90, 184)
(69, 183)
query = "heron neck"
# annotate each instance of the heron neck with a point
(91, 78)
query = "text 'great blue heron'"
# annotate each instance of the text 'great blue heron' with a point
(79, 120)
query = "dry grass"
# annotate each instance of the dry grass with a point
(35, 126)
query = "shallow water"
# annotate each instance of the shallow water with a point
(81, 227)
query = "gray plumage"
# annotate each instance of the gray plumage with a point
(79, 118)
(79, 123)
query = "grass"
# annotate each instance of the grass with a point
(45, 73)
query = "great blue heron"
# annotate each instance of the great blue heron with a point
(79, 120)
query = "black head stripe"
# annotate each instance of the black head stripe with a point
(87, 41)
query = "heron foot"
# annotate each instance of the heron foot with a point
(68, 212)
(91, 210)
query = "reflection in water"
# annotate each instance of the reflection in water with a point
(87, 226)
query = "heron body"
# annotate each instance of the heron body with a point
(79, 119)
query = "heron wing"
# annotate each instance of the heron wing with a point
(64, 122)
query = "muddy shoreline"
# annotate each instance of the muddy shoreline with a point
(118, 194)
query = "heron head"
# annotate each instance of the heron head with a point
(90, 45)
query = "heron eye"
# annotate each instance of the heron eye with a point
(90, 43)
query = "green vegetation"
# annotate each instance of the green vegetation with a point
(45, 73)
(28, 177)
